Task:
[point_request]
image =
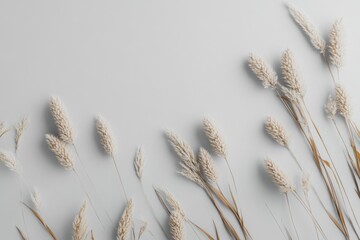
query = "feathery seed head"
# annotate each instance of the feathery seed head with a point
(79, 225)
(336, 48)
(9, 161)
(330, 107)
(176, 224)
(3, 129)
(216, 141)
(36, 199)
(290, 75)
(316, 40)
(278, 177)
(305, 183)
(19, 129)
(263, 71)
(58, 147)
(61, 119)
(125, 222)
(290, 94)
(207, 165)
(342, 101)
(139, 163)
(276, 131)
(105, 136)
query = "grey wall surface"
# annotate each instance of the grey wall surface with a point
(148, 66)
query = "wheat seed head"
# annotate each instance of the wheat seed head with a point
(58, 147)
(125, 222)
(278, 177)
(36, 198)
(207, 165)
(173, 203)
(61, 118)
(80, 225)
(330, 107)
(263, 71)
(316, 40)
(305, 183)
(176, 224)
(276, 131)
(342, 101)
(289, 73)
(9, 161)
(20, 129)
(139, 163)
(3, 128)
(290, 94)
(215, 139)
(336, 48)
(105, 136)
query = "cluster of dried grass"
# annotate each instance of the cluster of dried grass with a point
(201, 168)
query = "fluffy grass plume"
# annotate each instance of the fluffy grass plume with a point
(9, 161)
(58, 147)
(330, 107)
(207, 165)
(342, 101)
(276, 131)
(215, 139)
(289, 73)
(125, 222)
(61, 119)
(263, 71)
(278, 177)
(176, 223)
(105, 136)
(316, 40)
(139, 163)
(80, 225)
(3, 129)
(336, 49)
(19, 131)
(36, 199)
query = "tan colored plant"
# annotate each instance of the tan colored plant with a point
(263, 71)
(20, 129)
(176, 226)
(125, 223)
(80, 226)
(58, 147)
(207, 165)
(336, 48)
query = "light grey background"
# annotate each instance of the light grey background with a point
(147, 66)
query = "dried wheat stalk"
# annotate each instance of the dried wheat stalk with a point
(216, 141)
(139, 163)
(105, 136)
(316, 40)
(263, 71)
(125, 222)
(336, 49)
(36, 199)
(3, 129)
(176, 223)
(278, 177)
(142, 230)
(207, 165)
(62, 121)
(80, 225)
(19, 129)
(58, 147)
(277, 131)
(289, 73)
(342, 102)
(305, 183)
(330, 107)
(9, 161)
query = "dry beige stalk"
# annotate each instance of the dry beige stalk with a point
(207, 165)
(176, 224)
(263, 71)
(316, 40)
(36, 199)
(216, 141)
(342, 102)
(9, 161)
(173, 203)
(336, 48)
(278, 177)
(80, 225)
(289, 93)
(139, 163)
(105, 136)
(125, 222)
(143, 228)
(3, 129)
(58, 147)
(330, 107)
(92, 235)
(290, 75)
(19, 129)
(61, 119)
(277, 131)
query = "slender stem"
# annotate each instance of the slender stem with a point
(310, 209)
(291, 216)
(88, 197)
(277, 223)
(192, 228)
(119, 176)
(295, 158)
